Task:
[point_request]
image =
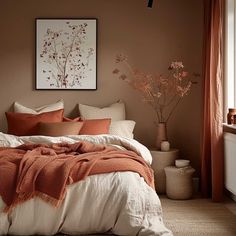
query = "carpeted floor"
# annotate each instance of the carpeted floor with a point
(198, 217)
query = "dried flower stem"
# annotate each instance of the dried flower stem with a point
(163, 93)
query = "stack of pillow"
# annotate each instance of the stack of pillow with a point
(48, 120)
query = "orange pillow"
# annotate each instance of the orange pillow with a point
(59, 128)
(96, 126)
(27, 124)
(92, 127)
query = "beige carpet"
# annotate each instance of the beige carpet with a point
(198, 217)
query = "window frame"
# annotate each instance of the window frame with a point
(230, 56)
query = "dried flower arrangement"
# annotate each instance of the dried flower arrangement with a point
(162, 92)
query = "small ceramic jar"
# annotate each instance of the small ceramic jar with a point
(165, 146)
(180, 163)
(230, 116)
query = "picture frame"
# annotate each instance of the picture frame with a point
(66, 54)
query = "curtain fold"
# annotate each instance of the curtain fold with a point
(212, 158)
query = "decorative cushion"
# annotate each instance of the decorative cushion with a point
(95, 127)
(27, 124)
(122, 128)
(59, 128)
(115, 111)
(46, 108)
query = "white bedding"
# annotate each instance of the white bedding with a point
(120, 203)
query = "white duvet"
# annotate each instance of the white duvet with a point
(120, 203)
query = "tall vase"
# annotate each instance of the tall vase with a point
(161, 134)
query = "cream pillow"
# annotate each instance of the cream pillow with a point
(46, 108)
(115, 111)
(122, 128)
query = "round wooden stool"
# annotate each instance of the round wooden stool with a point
(160, 160)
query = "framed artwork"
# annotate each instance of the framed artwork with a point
(66, 54)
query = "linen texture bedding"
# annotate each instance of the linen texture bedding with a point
(118, 202)
(42, 170)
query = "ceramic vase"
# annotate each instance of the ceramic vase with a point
(161, 134)
(230, 116)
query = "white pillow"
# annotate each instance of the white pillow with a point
(115, 111)
(46, 108)
(122, 128)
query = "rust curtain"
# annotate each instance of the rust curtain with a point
(212, 159)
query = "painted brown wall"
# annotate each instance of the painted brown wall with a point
(152, 38)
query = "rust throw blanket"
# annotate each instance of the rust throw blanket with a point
(44, 170)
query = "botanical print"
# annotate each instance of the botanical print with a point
(66, 54)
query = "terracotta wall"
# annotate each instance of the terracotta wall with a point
(152, 38)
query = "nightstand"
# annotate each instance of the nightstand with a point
(160, 160)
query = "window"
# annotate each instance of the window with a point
(230, 59)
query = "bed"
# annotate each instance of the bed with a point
(118, 202)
